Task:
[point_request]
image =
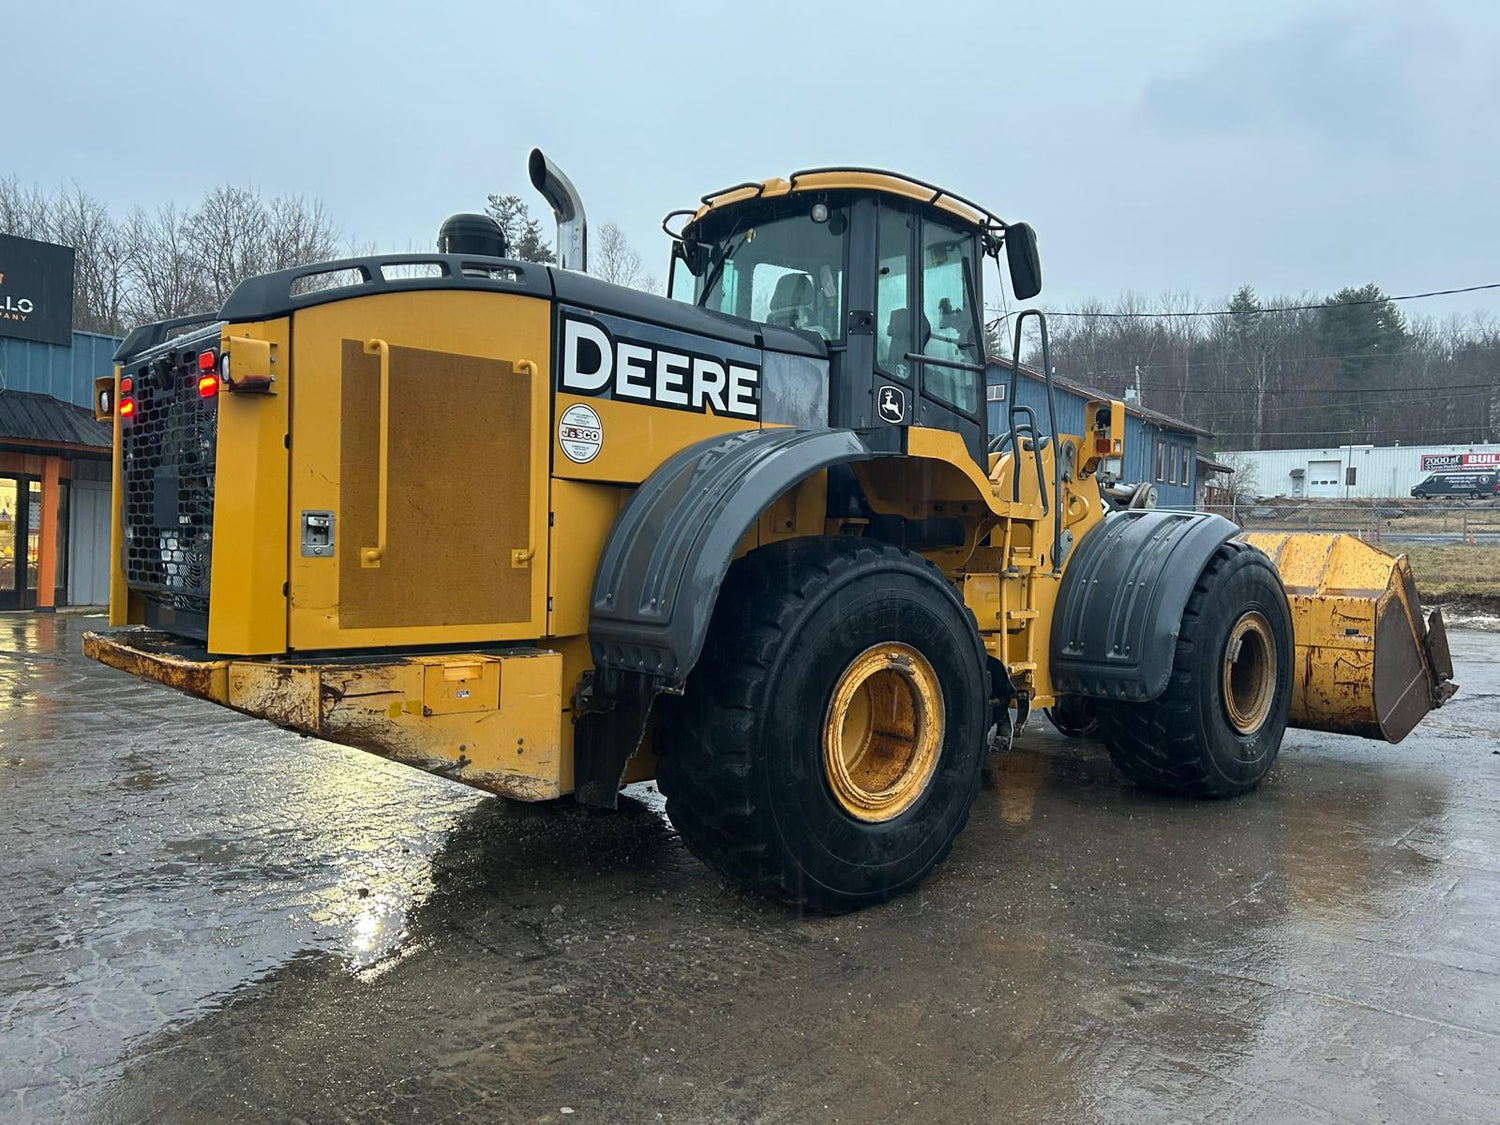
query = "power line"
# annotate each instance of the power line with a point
(1274, 408)
(1275, 309)
(1336, 431)
(1191, 389)
(1480, 389)
(1280, 364)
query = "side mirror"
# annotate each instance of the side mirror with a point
(694, 255)
(1025, 262)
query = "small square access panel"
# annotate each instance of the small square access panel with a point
(452, 686)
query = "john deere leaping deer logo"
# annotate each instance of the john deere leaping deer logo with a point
(892, 404)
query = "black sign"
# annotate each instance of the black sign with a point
(36, 290)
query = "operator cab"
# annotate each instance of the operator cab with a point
(884, 270)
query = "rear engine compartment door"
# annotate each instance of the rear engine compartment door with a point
(461, 457)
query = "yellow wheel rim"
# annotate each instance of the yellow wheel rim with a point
(1249, 673)
(883, 732)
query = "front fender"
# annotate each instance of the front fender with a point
(1114, 632)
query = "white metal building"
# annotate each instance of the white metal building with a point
(1351, 471)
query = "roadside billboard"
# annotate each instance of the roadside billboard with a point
(36, 290)
(1433, 462)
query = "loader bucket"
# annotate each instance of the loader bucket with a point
(1366, 662)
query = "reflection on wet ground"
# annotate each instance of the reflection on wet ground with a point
(207, 919)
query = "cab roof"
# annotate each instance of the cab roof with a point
(850, 179)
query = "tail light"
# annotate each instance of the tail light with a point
(126, 408)
(208, 384)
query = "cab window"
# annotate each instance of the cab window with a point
(894, 336)
(786, 270)
(950, 312)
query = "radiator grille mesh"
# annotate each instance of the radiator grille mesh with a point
(167, 450)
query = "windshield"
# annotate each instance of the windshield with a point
(787, 271)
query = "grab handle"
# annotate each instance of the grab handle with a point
(520, 557)
(373, 556)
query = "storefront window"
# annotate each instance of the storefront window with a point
(63, 493)
(34, 534)
(9, 519)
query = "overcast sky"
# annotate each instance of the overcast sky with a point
(1155, 145)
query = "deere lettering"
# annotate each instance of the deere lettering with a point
(594, 362)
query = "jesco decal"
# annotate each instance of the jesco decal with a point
(630, 362)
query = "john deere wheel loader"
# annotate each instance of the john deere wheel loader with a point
(546, 535)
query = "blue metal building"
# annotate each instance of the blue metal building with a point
(66, 374)
(1158, 448)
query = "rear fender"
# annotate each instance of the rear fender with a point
(659, 576)
(661, 567)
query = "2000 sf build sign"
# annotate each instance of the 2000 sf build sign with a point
(596, 361)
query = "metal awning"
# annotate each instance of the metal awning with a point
(37, 419)
(1212, 466)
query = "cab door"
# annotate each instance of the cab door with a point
(929, 343)
(419, 481)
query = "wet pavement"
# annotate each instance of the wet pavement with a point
(203, 918)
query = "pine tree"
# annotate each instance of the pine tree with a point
(523, 234)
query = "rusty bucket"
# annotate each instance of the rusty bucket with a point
(1366, 661)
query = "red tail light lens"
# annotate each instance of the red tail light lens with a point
(127, 384)
(206, 361)
(208, 385)
(127, 407)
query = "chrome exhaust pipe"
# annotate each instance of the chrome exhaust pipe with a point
(567, 209)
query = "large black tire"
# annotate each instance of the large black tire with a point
(742, 754)
(1075, 716)
(1187, 740)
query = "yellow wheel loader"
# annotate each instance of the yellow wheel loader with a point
(545, 535)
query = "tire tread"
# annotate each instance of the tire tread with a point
(1156, 744)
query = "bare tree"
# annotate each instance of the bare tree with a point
(24, 211)
(165, 280)
(228, 235)
(99, 268)
(171, 262)
(298, 232)
(1244, 479)
(612, 258)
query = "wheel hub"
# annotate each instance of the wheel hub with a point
(1249, 680)
(883, 731)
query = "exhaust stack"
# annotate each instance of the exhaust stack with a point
(567, 209)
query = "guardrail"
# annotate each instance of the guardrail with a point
(1374, 521)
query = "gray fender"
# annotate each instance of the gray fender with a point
(1114, 632)
(671, 545)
